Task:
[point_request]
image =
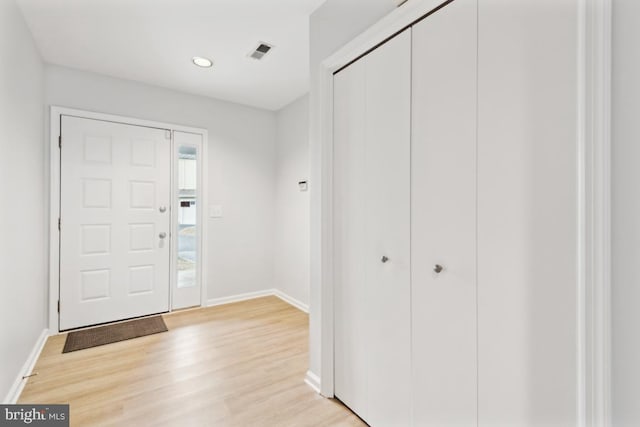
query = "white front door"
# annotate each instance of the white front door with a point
(115, 221)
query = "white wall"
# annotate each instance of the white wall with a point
(241, 166)
(292, 205)
(626, 214)
(22, 247)
(331, 26)
(527, 213)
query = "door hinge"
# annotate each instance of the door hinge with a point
(60, 141)
(59, 224)
(58, 306)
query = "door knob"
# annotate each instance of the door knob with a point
(162, 235)
(384, 259)
(162, 209)
(438, 268)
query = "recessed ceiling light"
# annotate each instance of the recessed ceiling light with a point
(202, 62)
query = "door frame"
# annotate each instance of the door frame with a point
(593, 284)
(54, 199)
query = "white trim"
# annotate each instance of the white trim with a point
(239, 297)
(259, 294)
(204, 228)
(312, 381)
(322, 238)
(18, 385)
(594, 310)
(54, 193)
(580, 222)
(292, 301)
(394, 22)
(326, 281)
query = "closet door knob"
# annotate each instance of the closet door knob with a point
(438, 268)
(384, 259)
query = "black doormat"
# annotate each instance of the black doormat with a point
(108, 334)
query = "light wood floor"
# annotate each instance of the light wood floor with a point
(239, 364)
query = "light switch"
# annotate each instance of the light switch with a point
(215, 211)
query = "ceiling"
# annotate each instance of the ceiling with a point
(153, 41)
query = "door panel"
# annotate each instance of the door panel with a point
(372, 219)
(114, 264)
(443, 212)
(351, 292)
(387, 188)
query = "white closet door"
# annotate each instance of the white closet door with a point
(372, 219)
(350, 283)
(387, 188)
(114, 243)
(443, 212)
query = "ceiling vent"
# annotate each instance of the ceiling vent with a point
(260, 51)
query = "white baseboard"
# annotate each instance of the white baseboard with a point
(239, 297)
(294, 302)
(18, 385)
(259, 294)
(312, 381)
